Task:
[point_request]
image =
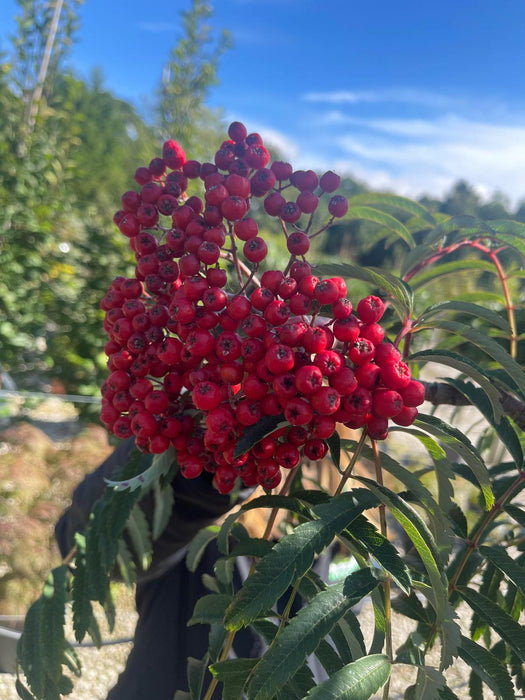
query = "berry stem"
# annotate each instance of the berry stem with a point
(351, 464)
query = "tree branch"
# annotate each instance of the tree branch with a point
(438, 394)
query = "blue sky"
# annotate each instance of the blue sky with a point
(408, 96)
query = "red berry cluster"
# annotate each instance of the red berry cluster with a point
(194, 365)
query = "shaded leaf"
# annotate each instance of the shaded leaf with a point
(507, 628)
(164, 499)
(293, 555)
(501, 423)
(160, 465)
(198, 545)
(210, 609)
(255, 433)
(305, 631)
(138, 529)
(499, 558)
(487, 667)
(421, 537)
(465, 365)
(233, 674)
(459, 442)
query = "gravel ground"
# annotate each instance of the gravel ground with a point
(102, 667)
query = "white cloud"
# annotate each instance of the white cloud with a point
(158, 27)
(400, 95)
(431, 155)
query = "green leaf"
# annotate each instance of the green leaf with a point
(487, 667)
(465, 365)
(198, 545)
(334, 445)
(233, 674)
(364, 213)
(399, 291)
(160, 465)
(293, 555)
(457, 441)
(428, 686)
(255, 433)
(501, 424)
(22, 691)
(383, 551)
(82, 608)
(439, 522)
(421, 537)
(516, 513)
(358, 680)
(138, 529)
(164, 500)
(492, 317)
(40, 649)
(196, 670)
(507, 628)
(379, 199)
(489, 346)
(440, 271)
(305, 631)
(210, 609)
(498, 556)
(348, 638)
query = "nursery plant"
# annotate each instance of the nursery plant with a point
(221, 362)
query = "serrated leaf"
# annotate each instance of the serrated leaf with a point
(400, 292)
(364, 213)
(54, 598)
(255, 433)
(138, 530)
(304, 632)
(383, 551)
(507, 628)
(82, 608)
(421, 537)
(440, 271)
(71, 659)
(487, 667)
(160, 465)
(29, 646)
(252, 547)
(348, 638)
(429, 683)
(380, 199)
(358, 680)
(198, 545)
(210, 609)
(501, 424)
(498, 556)
(22, 691)
(293, 555)
(488, 345)
(126, 565)
(163, 499)
(492, 317)
(233, 674)
(518, 514)
(439, 522)
(459, 442)
(196, 670)
(334, 445)
(465, 365)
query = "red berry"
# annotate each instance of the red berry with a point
(387, 402)
(413, 393)
(370, 309)
(255, 250)
(237, 131)
(329, 181)
(338, 206)
(298, 243)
